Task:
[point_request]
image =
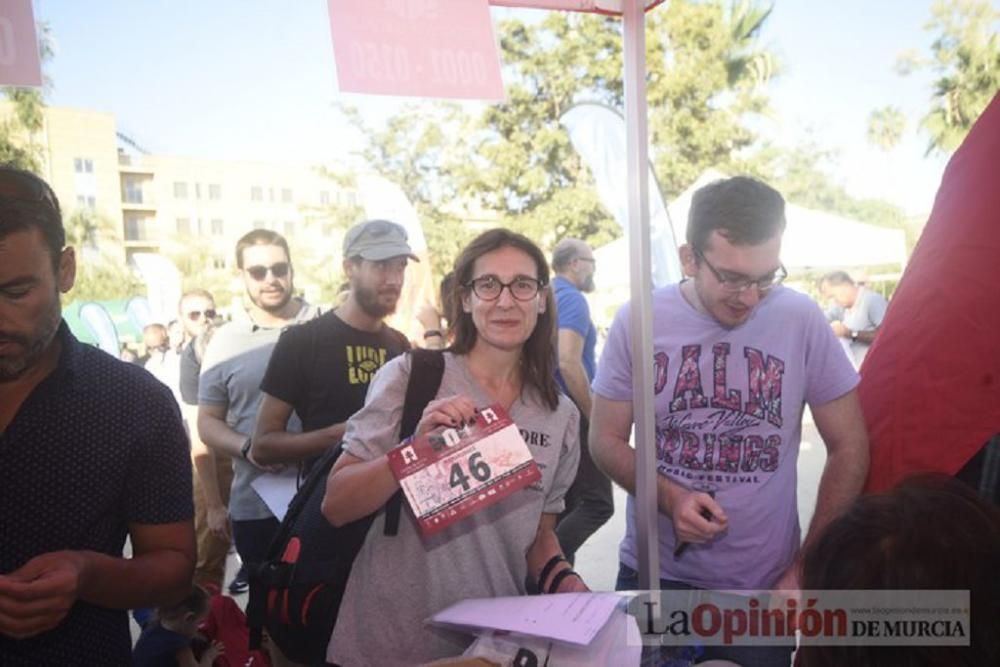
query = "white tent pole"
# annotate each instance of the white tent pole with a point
(634, 46)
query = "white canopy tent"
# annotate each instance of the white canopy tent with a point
(813, 241)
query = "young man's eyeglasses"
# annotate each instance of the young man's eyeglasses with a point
(734, 282)
(279, 270)
(209, 314)
(489, 288)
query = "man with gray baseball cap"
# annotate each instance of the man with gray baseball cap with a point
(377, 240)
(321, 370)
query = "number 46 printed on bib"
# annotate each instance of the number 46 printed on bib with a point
(450, 474)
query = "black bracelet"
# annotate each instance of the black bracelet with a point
(245, 449)
(560, 575)
(555, 560)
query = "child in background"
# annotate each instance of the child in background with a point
(167, 640)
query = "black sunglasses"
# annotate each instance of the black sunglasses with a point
(209, 314)
(279, 270)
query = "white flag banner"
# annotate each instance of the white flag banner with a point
(598, 135)
(384, 200)
(163, 285)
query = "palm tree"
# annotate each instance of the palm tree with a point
(745, 62)
(88, 231)
(885, 127)
(966, 57)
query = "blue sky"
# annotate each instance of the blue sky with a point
(255, 79)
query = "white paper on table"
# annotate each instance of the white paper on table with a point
(568, 617)
(618, 643)
(277, 489)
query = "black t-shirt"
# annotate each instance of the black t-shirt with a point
(322, 368)
(98, 445)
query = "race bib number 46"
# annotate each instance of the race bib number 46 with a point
(452, 473)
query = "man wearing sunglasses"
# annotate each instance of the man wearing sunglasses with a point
(196, 311)
(229, 393)
(213, 470)
(91, 450)
(736, 357)
(321, 370)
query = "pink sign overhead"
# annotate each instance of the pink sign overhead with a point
(422, 48)
(19, 61)
(613, 7)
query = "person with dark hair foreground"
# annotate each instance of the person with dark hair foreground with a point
(931, 532)
(91, 450)
(168, 640)
(503, 322)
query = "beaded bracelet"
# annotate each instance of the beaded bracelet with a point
(560, 575)
(549, 566)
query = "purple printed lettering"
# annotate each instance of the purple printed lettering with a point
(764, 397)
(721, 397)
(769, 456)
(689, 381)
(729, 453)
(660, 363)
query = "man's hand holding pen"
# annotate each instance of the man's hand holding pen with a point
(696, 516)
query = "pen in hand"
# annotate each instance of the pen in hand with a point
(707, 516)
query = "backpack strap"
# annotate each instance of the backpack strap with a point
(426, 371)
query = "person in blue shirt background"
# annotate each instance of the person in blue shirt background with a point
(589, 503)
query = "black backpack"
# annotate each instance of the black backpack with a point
(296, 592)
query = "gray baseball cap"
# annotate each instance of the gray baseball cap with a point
(376, 240)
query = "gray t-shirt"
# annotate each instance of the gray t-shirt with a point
(231, 371)
(866, 314)
(398, 582)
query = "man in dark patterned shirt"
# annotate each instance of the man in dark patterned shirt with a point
(91, 450)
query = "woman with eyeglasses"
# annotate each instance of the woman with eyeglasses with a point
(502, 319)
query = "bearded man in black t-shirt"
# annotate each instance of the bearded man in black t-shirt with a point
(321, 369)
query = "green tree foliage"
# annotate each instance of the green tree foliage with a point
(18, 146)
(194, 255)
(340, 213)
(803, 174)
(320, 266)
(707, 76)
(425, 151)
(885, 127)
(515, 165)
(965, 57)
(100, 273)
(527, 171)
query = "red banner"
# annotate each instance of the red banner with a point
(930, 385)
(595, 6)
